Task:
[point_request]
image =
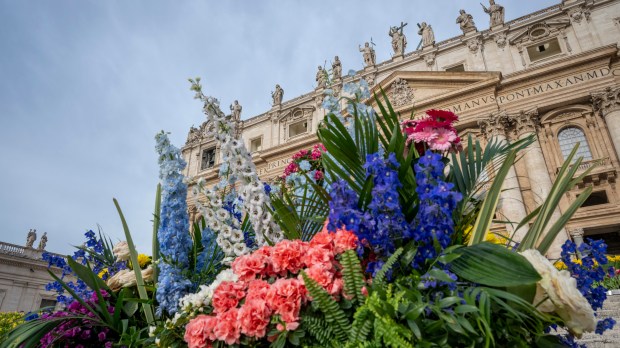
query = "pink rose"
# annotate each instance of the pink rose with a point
(254, 317)
(199, 331)
(286, 256)
(247, 267)
(228, 327)
(227, 295)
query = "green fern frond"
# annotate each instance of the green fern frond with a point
(362, 324)
(352, 275)
(334, 315)
(318, 328)
(379, 279)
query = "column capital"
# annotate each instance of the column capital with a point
(495, 125)
(525, 122)
(607, 100)
(576, 232)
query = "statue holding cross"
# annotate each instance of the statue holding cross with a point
(399, 40)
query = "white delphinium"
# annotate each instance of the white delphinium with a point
(237, 166)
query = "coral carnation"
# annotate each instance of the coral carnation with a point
(228, 327)
(254, 317)
(199, 331)
(227, 295)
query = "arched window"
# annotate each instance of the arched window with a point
(570, 136)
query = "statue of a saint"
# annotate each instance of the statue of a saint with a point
(399, 40)
(277, 95)
(235, 109)
(43, 241)
(321, 77)
(428, 36)
(466, 21)
(496, 12)
(32, 236)
(336, 68)
(369, 54)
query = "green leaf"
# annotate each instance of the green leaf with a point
(493, 265)
(147, 308)
(156, 213)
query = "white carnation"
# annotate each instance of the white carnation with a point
(563, 296)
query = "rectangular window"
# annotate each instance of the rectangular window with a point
(208, 159)
(456, 68)
(595, 198)
(298, 128)
(544, 49)
(47, 303)
(256, 144)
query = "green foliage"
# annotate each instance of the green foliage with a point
(301, 215)
(540, 235)
(486, 264)
(334, 315)
(352, 275)
(9, 321)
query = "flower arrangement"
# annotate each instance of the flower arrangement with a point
(390, 247)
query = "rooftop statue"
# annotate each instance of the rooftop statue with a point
(235, 109)
(466, 22)
(32, 236)
(277, 95)
(43, 241)
(336, 68)
(428, 36)
(496, 12)
(321, 77)
(369, 55)
(399, 40)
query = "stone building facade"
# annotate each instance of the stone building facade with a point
(23, 277)
(554, 72)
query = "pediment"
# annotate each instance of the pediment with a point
(407, 89)
(297, 113)
(538, 31)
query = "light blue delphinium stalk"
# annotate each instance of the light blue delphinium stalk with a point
(175, 243)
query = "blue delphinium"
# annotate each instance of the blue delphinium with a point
(175, 242)
(588, 273)
(433, 225)
(383, 223)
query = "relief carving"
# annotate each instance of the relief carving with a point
(607, 100)
(501, 39)
(474, 44)
(402, 94)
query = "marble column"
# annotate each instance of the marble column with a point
(511, 203)
(538, 175)
(607, 103)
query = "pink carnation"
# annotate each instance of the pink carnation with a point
(285, 297)
(318, 256)
(199, 331)
(320, 274)
(247, 267)
(227, 295)
(300, 154)
(254, 317)
(323, 239)
(257, 289)
(344, 240)
(286, 256)
(318, 175)
(228, 327)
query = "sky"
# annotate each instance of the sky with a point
(85, 86)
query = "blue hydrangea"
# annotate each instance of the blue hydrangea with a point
(305, 165)
(433, 225)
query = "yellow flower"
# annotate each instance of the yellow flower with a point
(560, 265)
(143, 260)
(500, 238)
(103, 272)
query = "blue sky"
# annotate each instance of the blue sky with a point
(85, 86)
